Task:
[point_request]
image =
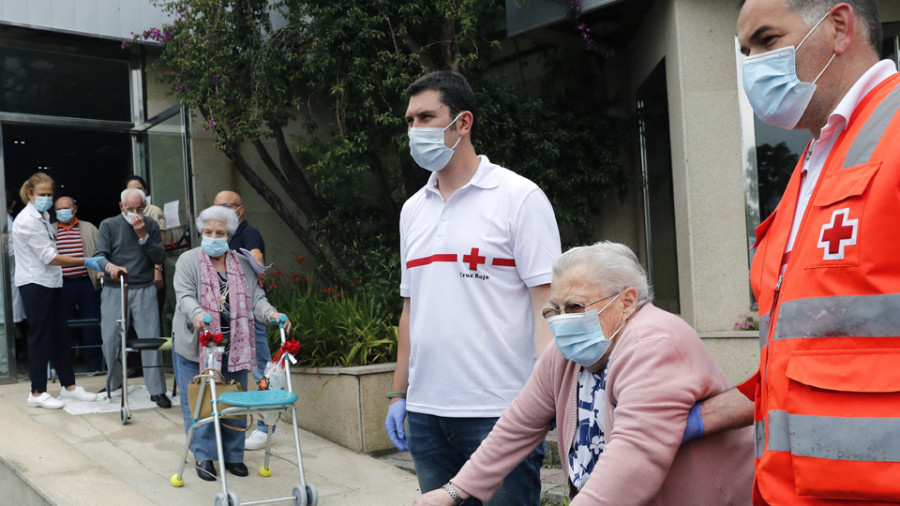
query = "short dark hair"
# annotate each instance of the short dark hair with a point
(454, 92)
(139, 179)
(813, 10)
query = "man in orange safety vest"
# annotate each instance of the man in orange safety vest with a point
(826, 271)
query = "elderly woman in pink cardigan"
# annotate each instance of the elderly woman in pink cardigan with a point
(620, 382)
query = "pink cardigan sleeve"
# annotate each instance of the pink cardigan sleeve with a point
(518, 431)
(653, 384)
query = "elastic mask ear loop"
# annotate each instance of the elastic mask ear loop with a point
(811, 30)
(824, 69)
(451, 124)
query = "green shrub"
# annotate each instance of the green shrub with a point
(335, 328)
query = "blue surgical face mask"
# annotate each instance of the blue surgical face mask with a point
(43, 203)
(579, 336)
(214, 247)
(426, 145)
(64, 215)
(775, 92)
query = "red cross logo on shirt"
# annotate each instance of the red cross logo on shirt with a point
(473, 259)
(838, 234)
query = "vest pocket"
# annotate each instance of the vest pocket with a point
(842, 423)
(846, 183)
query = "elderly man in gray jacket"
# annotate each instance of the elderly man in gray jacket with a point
(133, 241)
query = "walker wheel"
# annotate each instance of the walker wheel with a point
(177, 481)
(264, 471)
(311, 494)
(230, 500)
(299, 495)
(124, 415)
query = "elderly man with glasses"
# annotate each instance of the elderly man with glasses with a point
(620, 383)
(133, 241)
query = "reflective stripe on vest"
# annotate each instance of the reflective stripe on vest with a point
(763, 330)
(834, 438)
(870, 135)
(760, 443)
(839, 316)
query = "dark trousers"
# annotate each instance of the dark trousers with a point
(81, 301)
(441, 445)
(47, 336)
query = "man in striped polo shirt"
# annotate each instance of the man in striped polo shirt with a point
(78, 238)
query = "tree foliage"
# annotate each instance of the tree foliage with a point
(310, 93)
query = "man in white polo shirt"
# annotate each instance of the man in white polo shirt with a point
(476, 246)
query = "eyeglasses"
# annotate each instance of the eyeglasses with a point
(572, 307)
(137, 210)
(231, 205)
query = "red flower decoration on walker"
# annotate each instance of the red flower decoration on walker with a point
(207, 338)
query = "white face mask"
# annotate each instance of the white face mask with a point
(580, 337)
(426, 145)
(775, 92)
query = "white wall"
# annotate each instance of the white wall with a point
(106, 18)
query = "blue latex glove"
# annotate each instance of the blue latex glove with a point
(694, 427)
(393, 424)
(93, 263)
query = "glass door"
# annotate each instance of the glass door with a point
(8, 370)
(162, 154)
(162, 157)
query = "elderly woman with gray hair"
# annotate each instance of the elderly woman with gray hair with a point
(213, 280)
(620, 383)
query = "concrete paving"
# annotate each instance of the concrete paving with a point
(52, 457)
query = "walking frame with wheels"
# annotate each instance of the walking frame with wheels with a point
(279, 402)
(128, 345)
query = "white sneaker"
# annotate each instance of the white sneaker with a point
(77, 394)
(256, 441)
(44, 400)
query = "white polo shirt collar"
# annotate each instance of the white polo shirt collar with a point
(485, 177)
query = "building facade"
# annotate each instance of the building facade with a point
(87, 109)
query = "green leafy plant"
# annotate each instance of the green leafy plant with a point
(305, 97)
(335, 327)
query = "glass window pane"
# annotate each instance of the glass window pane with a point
(67, 85)
(777, 153)
(162, 159)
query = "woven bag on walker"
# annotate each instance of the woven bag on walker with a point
(222, 386)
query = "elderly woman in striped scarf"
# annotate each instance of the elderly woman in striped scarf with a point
(212, 280)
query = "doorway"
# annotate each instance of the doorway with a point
(88, 165)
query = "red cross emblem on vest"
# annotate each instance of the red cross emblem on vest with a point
(838, 234)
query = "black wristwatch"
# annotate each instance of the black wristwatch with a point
(457, 500)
